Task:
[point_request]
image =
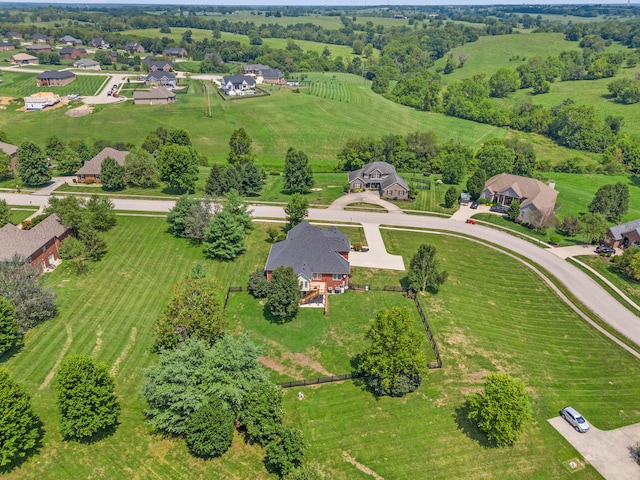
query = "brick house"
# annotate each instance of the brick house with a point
(14, 35)
(134, 47)
(36, 48)
(161, 78)
(4, 46)
(12, 151)
(155, 96)
(623, 235)
(55, 78)
(72, 53)
(160, 66)
(319, 258)
(40, 245)
(174, 52)
(379, 176)
(92, 168)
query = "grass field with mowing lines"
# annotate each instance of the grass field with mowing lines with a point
(604, 267)
(23, 84)
(18, 214)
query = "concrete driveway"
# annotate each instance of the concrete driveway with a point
(377, 256)
(610, 452)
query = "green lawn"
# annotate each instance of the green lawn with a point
(604, 267)
(24, 84)
(18, 214)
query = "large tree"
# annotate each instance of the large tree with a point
(475, 183)
(393, 359)
(198, 220)
(263, 412)
(19, 428)
(298, 177)
(495, 159)
(612, 201)
(178, 167)
(503, 82)
(240, 145)
(9, 330)
(178, 215)
(502, 410)
(296, 210)
(216, 184)
(53, 148)
(68, 161)
(141, 169)
(85, 397)
(99, 213)
(112, 175)
(423, 270)
(224, 238)
(286, 452)
(209, 430)
(194, 312)
(455, 160)
(283, 297)
(33, 168)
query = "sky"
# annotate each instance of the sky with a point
(360, 3)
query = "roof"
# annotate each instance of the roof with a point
(70, 50)
(153, 94)
(237, 79)
(308, 249)
(69, 38)
(40, 36)
(86, 62)
(252, 67)
(6, 44)
(36, 46)
(8, 148)
(160, 64)
(23, 56)
(529, 190)
(55, 75)
(176, 50)
(618, 231)
(388, 175)
(14, 241)
(271, 73)
(94, 166)
(157, 75)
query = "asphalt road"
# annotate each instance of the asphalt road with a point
(577, 282)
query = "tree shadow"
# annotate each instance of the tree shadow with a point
(11, 352)
(175, 191)
(35, 450)
(99, 435)
(461, 417)
(269, 317)
(635, 180)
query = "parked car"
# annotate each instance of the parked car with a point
(604, 250)
(471, 221)
(474, 205)
(115, 85)
(499, 209)
(114, 95)
(109, 93)
(574, 418)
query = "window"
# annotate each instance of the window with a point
(389, 193)
(356, 185)
(316, 276)
(375, 175)
(337, 276)
(82, 177)
(400, 192)
(44, 248)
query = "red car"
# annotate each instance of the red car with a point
(471, 221)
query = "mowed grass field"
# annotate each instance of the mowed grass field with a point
(23, 84)
(604, 267)
(497, 317)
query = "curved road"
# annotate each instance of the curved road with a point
(583, 287)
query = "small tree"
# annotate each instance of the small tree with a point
(74, 251)
(423, 270)
(95, 246)
(283, 298)
(513, 212)
(198, 220)
(224, 238)
(178, 215)
(594, 226)
(502, 410)
(287, 452)
(296, 210)
(5, 213)
(571, 226)
(99, 213)
(209, 430)
(234, 204)
(9, 330)
(450, 197)
(475, 184)
(298, 177)
(240, 147)
(393, 358)
(33, 168)
(19, 428)
(215, 185)
(112, 175)
(85, 396)
(258, 286)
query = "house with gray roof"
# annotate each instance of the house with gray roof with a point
(91, 169)
(55, 78)
(254, 68)
(37, 48)
(12, 151)
(154, 96)
(161, 78)
(537, 200)
(40, 245)
(379, 176)
(134, 47)
(68, 39)
(160, 65)
(4, 46)
(100, 43)
(41, 38)
(174, 52)
(237, 84)
(623, 235)
(87, 64)
(319, 257)
(271, 75)
(72, 53)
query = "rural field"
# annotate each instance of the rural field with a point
(501, 317)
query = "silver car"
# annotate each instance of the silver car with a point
(576, 420)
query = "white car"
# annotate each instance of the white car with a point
(576, 420)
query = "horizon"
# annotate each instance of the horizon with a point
(314, 3)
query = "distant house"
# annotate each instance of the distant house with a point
(113, 56)
(41, 100)
(4, 46)
(174, 52)
(36, 48)
(87, 64)
(69, 40)
(161, 78)
(72, 53)
(623, 235)
(537, 200)
(237, 84)
(319, 258)
(12, 151)
(24, 59)
(155, 96)
(271, 75)
(100, 43)
(254, 68)
(157, 66)
(40, 245)
(380, 176)
(55, 78)
(134, 47)
(14, 35)
(41, 38)
(92, 168)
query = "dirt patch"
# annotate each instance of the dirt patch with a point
(299, 360)
(6, 100)
(125, 351)
(98, 345)
(363, 468)
(79, 111)
(65, 349)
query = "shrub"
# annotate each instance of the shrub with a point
(89, 181)
(286, 453)
(555, 238)
(357, 246)
(258, 286)
(209, 430)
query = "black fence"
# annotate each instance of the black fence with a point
(231, 290)
(385, 288)
(320, 380)
(434, 345)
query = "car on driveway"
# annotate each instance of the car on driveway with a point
(574, 418)
(604, 250)
(474, 205)
(499, 209)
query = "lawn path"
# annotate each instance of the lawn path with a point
(361, 467)
(65, 349)
(127, 347)
(98, 345)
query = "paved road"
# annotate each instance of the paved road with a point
(585, 289)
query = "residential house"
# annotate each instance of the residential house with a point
(69, 40)
(537, 200)
(237, 84)
(623, 235)
(36, 48)
(4, 46)
(319, 258)
(92, 168)
(160, 66)
(271, 75)
(174, 52)
(72, 53)
(41, 38)
(155, 96)
(87, 64)
(254, 68)
(40, 245)
(113, 56)
(162, 78)
(14, 35)
(24, 59)
(100, 43)
(55, 78)
(134, 47)
(41, 100)
(12, 151)
(379, 176)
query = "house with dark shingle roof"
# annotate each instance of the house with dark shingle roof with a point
(271, 75)
(254, 68)
(162, 65)
(161, 78)
(134, 47)
(319, 258)
(4, 46)
(72, 53)
(12, 151)
(40, 245)
(379, 176)
(41, 38)
(36, 48)
(68, 39)
(100, 43)
(174, 52)
(92, 168)
(13, 35)
(623, 235)
(55, 78)
(237, 84)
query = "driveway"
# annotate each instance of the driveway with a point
(610, 452)
(377, 256)
(102, 97)
(574, 251)
(465, 212)
(363, 197)
(54, 183)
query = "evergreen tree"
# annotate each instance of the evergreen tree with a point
(296, 210)
(9, 330)
(283, 297)
(513, 211)
(177, 216)
(215, 185)
(224, 238)
(298, 177)
(5, 213)
(475, 184)
(33, 168)
(450, 197)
